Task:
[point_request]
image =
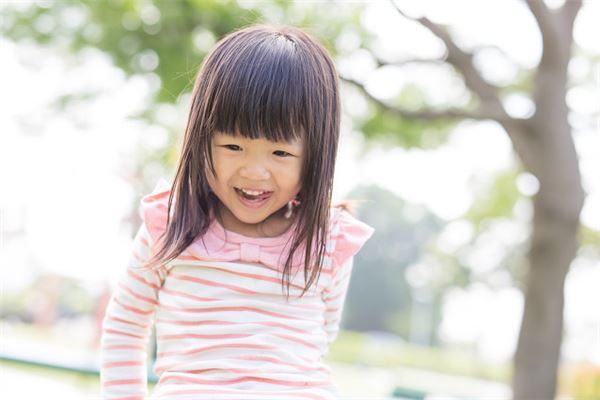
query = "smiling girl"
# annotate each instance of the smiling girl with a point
(249, 213)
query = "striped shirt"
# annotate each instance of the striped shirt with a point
(224, 330)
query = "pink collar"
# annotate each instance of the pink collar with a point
(218, 244)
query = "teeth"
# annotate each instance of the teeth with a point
(253, 192)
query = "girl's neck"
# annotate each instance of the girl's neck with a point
(274, 225)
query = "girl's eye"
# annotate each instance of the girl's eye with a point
(281, 153)
(233, 147)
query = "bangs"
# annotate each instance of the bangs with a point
(259, 91)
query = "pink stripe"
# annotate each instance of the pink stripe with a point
(254, 276)
(117, 332)
(112, 318)
(135, 381)
(332, 298)
(225, 391)
(212, 283)
(137, 295)
(281, 362)
(282, 382)
(124, 347)
(193, 323)
(122, 364)
(129, 398)
(134, 309)
(215, 347)
(142, 279)
(236, 370)
(138, 257)
(279, 324)
(295, 339)
(203, 336)
(226, 309)
(186, 295)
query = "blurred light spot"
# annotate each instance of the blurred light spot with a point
(93, 32)
(129, 44)
(153, 81)
(495, 67)
(584, 98)
(42, 3)
(74, 17)
(579, 67)
(147, 60)
(527, 184)
(523, 210)
(152, 29)
(554, 4)
(417, 275)
(203, 39)
(357, 65)
(586, 27)
(130, 21)
(347, 41)
(518, 105)
(150, 14)
(455, 235)
(44, 23)
(155, 137)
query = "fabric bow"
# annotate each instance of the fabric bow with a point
(217, 244)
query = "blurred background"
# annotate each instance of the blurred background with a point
(470, 130)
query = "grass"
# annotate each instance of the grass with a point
(357, 348)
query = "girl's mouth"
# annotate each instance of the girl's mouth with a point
(253, 198)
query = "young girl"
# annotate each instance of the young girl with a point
(249, 214)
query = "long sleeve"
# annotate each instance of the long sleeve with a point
(127, 325)
(335, 299)
(347, 237)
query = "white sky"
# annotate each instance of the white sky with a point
(52, 170)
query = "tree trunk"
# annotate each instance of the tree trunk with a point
(557, 208)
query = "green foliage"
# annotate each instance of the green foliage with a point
(385, 127)
(589, 237)
(165, 38)
(496, 200)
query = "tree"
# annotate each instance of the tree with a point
(544, 144)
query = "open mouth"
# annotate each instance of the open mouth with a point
(253, 198)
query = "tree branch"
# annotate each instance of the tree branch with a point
(401, 63)
(547, 23)
(483, 113)
(462, 61)
(569, 11)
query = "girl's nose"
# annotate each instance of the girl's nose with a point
(254, 171)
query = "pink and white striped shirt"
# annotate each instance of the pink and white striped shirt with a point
(224, 329)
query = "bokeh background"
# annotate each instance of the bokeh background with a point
(470, 133)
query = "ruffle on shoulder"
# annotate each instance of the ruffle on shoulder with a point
(154, 208)
(350, 236)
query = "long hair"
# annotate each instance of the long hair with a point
(268, 82)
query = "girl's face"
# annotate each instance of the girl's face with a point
(254, 177)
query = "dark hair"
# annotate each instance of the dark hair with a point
(268, 82)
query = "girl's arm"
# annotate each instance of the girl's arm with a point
(347, 237)
(127, 324)
(335, 298)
